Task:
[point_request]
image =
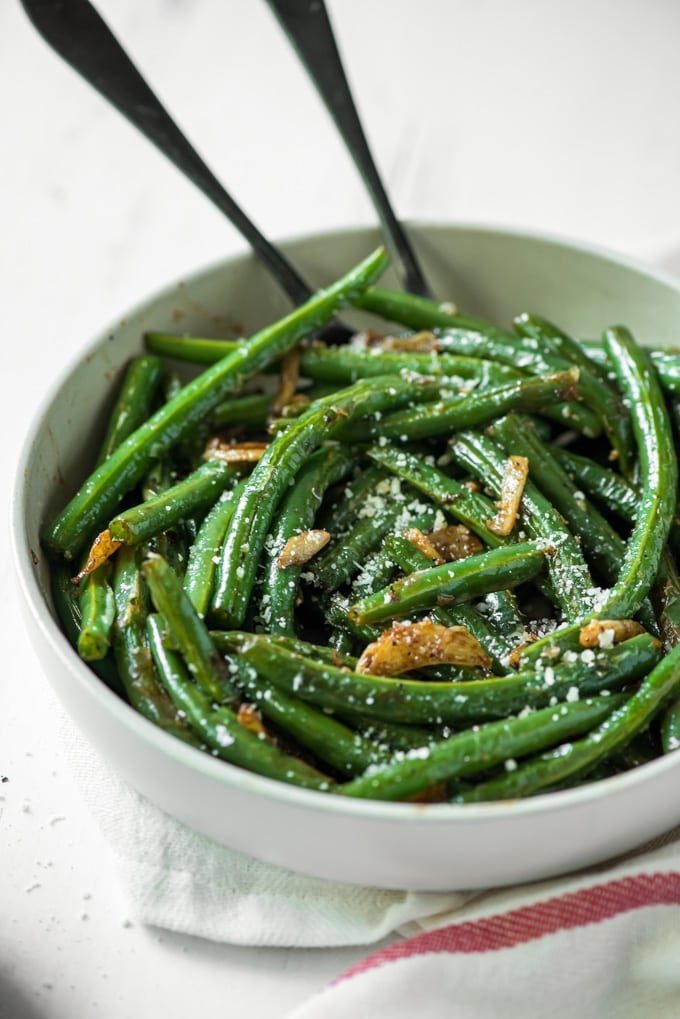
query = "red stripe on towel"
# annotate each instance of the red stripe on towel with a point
(518, 926)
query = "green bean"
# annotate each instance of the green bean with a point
(98, 498)
(641, 749)
(137, 391)
(219, 727)
(600, 483)
(532, 394)
(475, 750)
(199, 580)
(274, 472)
(375, 572)
(398, 737)
(496, 646)
(535, 327)
(563, 639)
(421, 313)
(133, 404)
(132, 653)
(670, 727)
(190, 348)
(573, 759)
(341, 640)
(338, 616)
(504, 614)
(66, 601)
(612, 491)
(329, 740)
(572, 584)
(342, 364)
(666, 363)
(665, 597)
(195, 494)
(463, 580)
(97, 615)
(658, 475)
(305, 647)
(188, 631)
(250, 412)
(345, 364)
(407, 556)
(350, 694)
(595, 386)
(296, 514)
(157, 479)
(174, 543)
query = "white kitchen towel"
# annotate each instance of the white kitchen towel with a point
(181, 880)
(178, 879)
(608, 950)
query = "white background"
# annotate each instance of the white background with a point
(561, 116)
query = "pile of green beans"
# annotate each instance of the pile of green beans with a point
(204, 615)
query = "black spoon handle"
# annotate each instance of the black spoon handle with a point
(75, 30)
(308, 28)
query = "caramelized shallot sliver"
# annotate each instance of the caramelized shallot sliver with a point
(423, 544)
(367, 338)
(515, 657)
(301, 547)
(605, 633)
(424, 342)
(251, 719)
(446, 544)
(512, 488)
(288, 380)
(234, 452)
(455, 541)
(103, 547)
(407, 646)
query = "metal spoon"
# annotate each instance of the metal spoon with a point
(308, 28)
(75, 30)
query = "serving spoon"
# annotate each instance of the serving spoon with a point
(309, 29)
(76, 31)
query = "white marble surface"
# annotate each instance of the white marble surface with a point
(558, 116)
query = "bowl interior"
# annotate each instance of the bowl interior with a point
(496, 274)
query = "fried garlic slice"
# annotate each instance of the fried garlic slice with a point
(512, 488)
(607, 632)
(301, 547)
(407, 646)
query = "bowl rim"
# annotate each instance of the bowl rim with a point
(222, 771)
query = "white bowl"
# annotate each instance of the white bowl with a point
(394, 845)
